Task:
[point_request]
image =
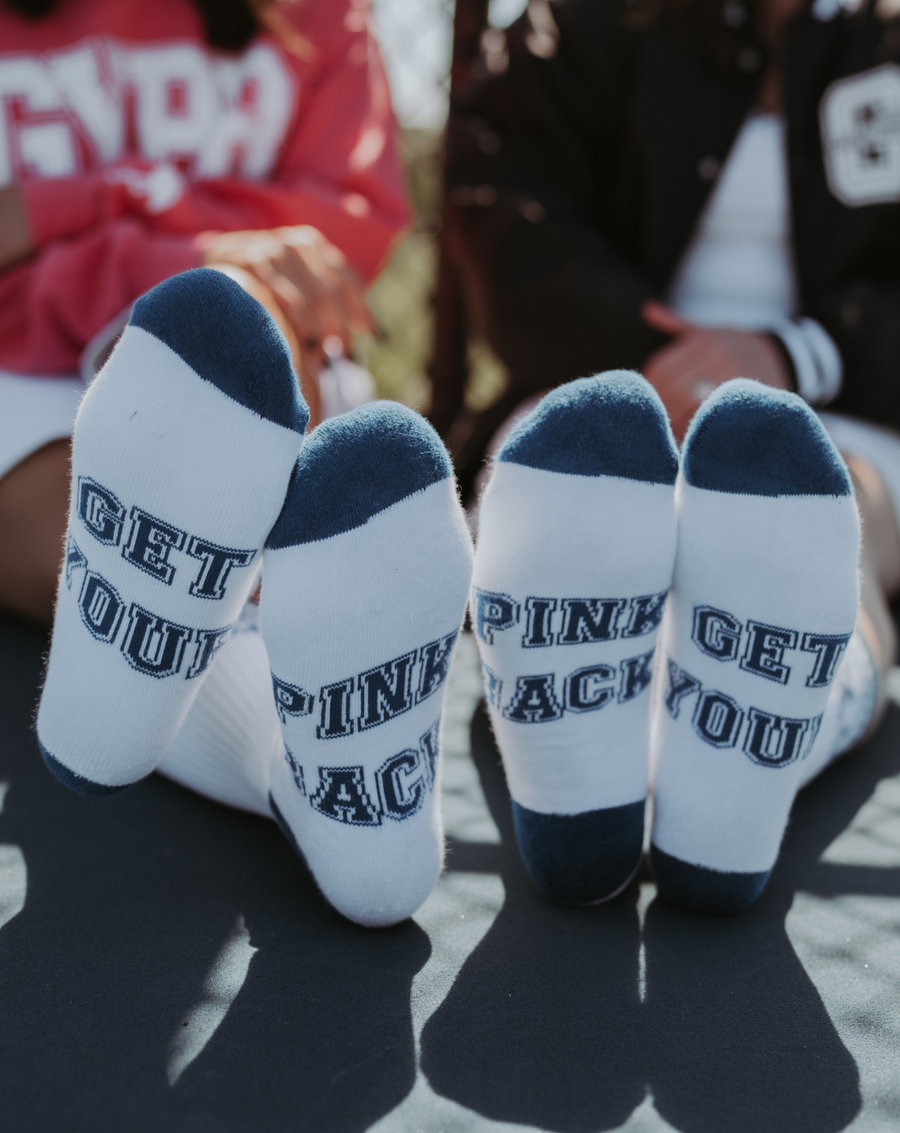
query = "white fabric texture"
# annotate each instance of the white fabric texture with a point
(558, 536)
(738, 270)
(333, 611)
(848, 713)
(33, 412)
(754, 559)
(131, 641)
(229, 743)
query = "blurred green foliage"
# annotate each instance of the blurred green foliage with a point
(402, 297)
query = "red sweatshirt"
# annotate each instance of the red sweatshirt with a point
(130, 137)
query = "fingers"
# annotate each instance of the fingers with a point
(336, 273)
(684, 374)
(314, 286)
(664, 319)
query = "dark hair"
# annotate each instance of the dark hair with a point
(229, 25)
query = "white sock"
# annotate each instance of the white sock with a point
(231, 740)
(851, 704)
(573, 564)
(366, 576)
(763, 605)
(183, 450)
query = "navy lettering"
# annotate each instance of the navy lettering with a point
(291, 700)
(100, 606)
(428, 746)
(716, 633)
(717, 719)
(74, 560)
(400, 789)
(148, 545)
(209, 642)
(493, 612)
(764, 653)
(637, 672)
(828, 648)
(342, 795)
(152, 645)
(586, 689)
(533, 701)
(435, 658)
(100, 511)
(296, 770)
(538, 632)
(589, 619)
(386, 691)
(217, 563)
(646, 614)
(773, 741)
(335, 719)
(681, 684)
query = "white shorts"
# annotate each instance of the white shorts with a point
(33, 412)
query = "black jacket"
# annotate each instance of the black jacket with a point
(584, 150)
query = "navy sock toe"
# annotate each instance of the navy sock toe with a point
(354, 466)
(228, 339)
(749, 439)
(580, 859)
(610, 425)
(702, 890)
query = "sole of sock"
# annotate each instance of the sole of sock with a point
(764, 600)
(365, 584)
(580, 503)
(581, 859)
(182, 453)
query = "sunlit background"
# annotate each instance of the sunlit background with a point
(416, 40)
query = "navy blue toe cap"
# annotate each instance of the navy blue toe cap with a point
(702, 890)
(580, 859)
(78, 782)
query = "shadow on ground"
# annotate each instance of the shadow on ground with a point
(129, 901)
(560, 1018)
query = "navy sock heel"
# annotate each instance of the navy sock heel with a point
(581, 859)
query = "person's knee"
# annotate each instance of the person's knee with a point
(33, 503)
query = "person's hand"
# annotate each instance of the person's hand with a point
(687, 370)
(16, 240)
(318, 292)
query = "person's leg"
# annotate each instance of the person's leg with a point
(34, 499)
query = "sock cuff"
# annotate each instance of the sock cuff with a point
(354, 466)
(784, 449)
(228, 339)
(613, 424)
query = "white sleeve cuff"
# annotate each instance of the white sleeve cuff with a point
(817, 362)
